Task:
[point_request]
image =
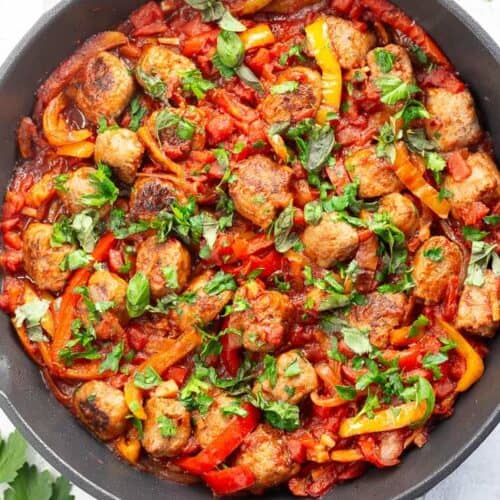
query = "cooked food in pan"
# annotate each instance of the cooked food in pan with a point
(255, 243)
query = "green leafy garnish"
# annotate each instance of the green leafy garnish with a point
(167, 426)
(384, 59)
(112, 360)
(435, 254)
(147, 379)
(105, 189)
(193, 81)
(285, 87)
(138, 292)
(30, 314)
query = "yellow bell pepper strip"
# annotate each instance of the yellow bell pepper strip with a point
(157, 154)
(55, 128)
(129, 449)
(319, 43)
(84, 149)
(474, 363)
(258, 36)
(411, 176)
(385, 420)
(160, 361)
(345, 456)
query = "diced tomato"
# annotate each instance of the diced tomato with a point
(199, 44)
(441, 78)
(137, 338)
(177, 373)
(258, 60)
(297, 450)
(115, 260)
(450, 303)
(11, 260)
(148, 20)
(219, 128)
(472, 213)
(13, 240)
(458, 167)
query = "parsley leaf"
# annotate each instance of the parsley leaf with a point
(279, 414)
(432, 362)
(435, 254)
(357, 339)
(112, 360)
(137, 113)
(147, 379)
(384, 59)
(394, 90)
(12, 456)
(167, 427)
(473, 234)
(30, 484)
(105, 189)
(193, 81)
(421, 322)
(285, 87)
(284, 239)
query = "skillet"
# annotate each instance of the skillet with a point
(53, 431)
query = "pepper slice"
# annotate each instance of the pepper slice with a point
(224, 444)
(413, 179)
(69, 299)
(474, 362)
(258, 36)
(385, 420)
(229, 481)
(331, 84)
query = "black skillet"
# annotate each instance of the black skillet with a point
(53, 431)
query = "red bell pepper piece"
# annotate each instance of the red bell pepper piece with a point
(148, 20)
(229, 481)
(231, 358)
(224, 444)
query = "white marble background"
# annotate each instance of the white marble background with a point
(477, 477)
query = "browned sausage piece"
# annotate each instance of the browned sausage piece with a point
(261, 188)
(166, 265)
(41, 260)
(264, 318)
(431, 277)
(453, 123)
(101, 408)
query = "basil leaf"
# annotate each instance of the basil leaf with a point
(313, 212)
(153, 84)
(320, 146)
(473, 234)
(230, 49)
(137, 295)
(83, 226)
(346, 392)
(357, 339)
(31, 315)
(285, 87)
(284, 239)
(230, 23)
(248, 76)
(137, 113)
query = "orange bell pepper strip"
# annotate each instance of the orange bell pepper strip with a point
(55, 129)
(474, 363)
(160, 361)
(62, 333)
(401, 336)
(157, 154)
(258, 36)
(319, 42)
(129, 449)
(84, 149)
(224, 444)
(279, 147)
(384, 420)
(413, 179)
(229, 481)
(345, 456)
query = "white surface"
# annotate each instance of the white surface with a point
(477, 476)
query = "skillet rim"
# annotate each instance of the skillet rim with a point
(418, 489)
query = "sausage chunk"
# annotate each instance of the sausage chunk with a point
(101, 408)
(483, 184)
(167, 427)
(329, 242)
(265, 453)
(159, 62)
(41, 260)
(351, 44)
(108, 287)
(151, 195)
(453, 123)
(401, 63)
(211, 425)
(77, 187)
(375, 176)
(296, 104)
(178, 138)
(431, 277)
(205, 305)
(401, 210)
(166, 265)
(104, 89)
(264, 318)
(475, 309)
(260, 189)
(382, 313)
(122, 150)
(296, 379)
